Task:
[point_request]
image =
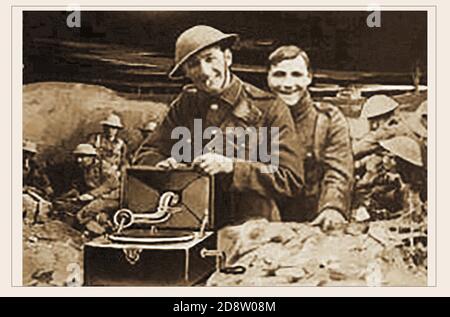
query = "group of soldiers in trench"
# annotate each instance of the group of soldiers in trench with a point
(325, 177)
(94, 191)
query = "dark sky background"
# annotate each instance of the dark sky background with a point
(334, 40)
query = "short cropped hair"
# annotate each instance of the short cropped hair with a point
(288, 52)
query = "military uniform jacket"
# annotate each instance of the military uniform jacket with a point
(35, 177)
(112, 153)
(323, 135)
(95, 181)
(245, 106)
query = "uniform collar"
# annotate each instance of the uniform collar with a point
(303, 106)
(231, 94)
(241, 106)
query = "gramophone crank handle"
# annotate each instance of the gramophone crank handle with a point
(220, 262)
(219, 255)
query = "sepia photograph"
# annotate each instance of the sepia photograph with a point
(225, 148)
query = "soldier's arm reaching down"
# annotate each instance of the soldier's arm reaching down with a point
(158, 145)
(337, 182)
(367, 145)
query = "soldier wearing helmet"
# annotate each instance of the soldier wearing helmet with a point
(384, 122)
(398, 174)
(323, 132)
(34, 177)
(36, 188)
(409, 163)
(148, 129)
(94, 190)
(111, 149)
(405, 149)
(220, 99)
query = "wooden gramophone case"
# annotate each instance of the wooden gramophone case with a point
(108, 263)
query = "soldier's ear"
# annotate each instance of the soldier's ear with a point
(228, 57)
(310, 77)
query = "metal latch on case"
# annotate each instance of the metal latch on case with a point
(220, 262)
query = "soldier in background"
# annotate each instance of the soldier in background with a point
(398, 180)
(36, 187)
(94, 193)
(379, 190)
(147, 131)
(410, 166)
(34, 177)
(385, 123)
(323, 133)
(110, 148)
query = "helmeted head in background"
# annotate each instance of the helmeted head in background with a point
(85, 154)
(378, 110)
(148, 128)
(29, 150)
(405, 148)
(408, 158)
(202, 53)
(289, 73)
(29, 147)
(111, 125)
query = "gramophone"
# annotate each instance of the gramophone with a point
(165, 231)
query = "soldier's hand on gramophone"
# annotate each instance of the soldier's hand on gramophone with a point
(213, 163)
(168, 164)
(329, 219)
(86, 197)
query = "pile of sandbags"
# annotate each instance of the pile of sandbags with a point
(295, 254)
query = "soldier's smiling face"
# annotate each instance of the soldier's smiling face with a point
(209, 69)
(289, 79)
